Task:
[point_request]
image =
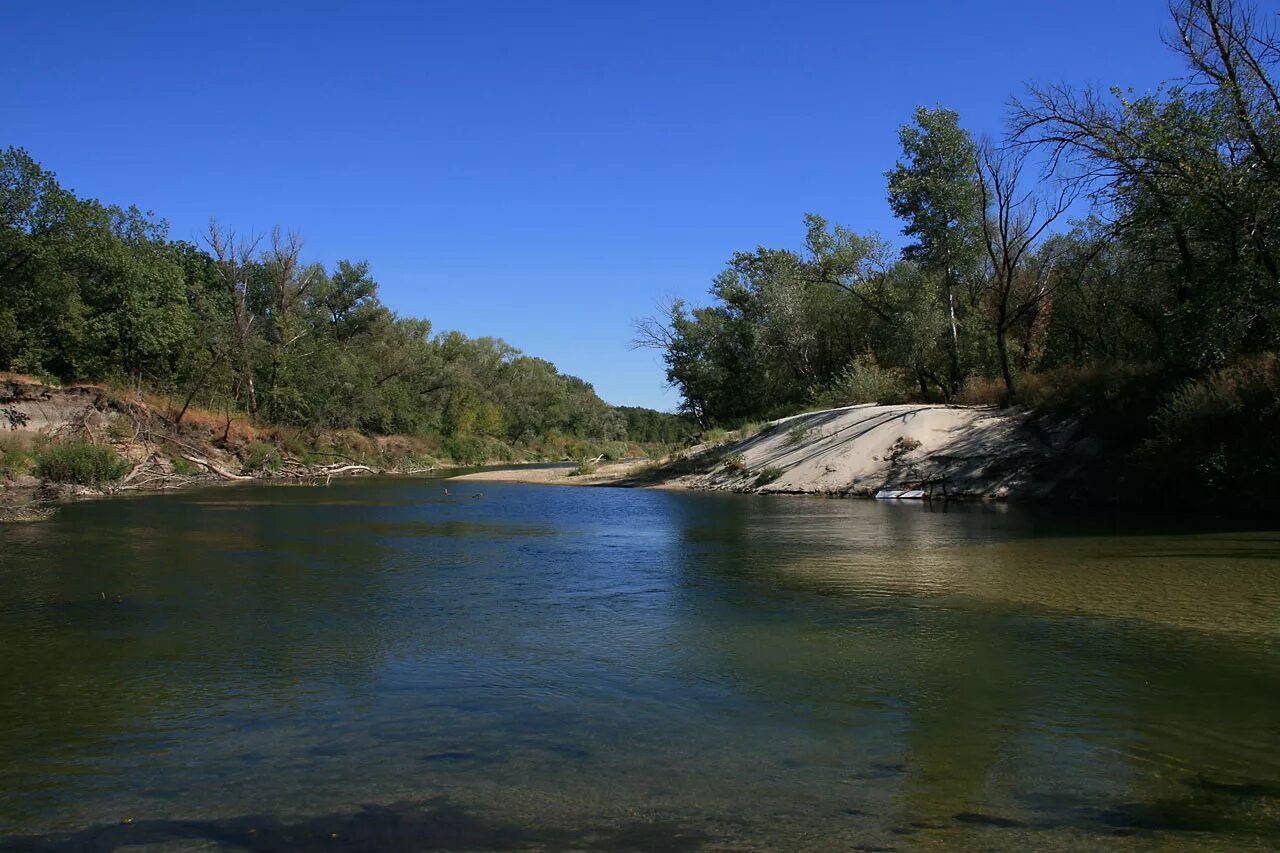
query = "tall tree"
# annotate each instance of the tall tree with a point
(236, 263)
(1016, 281)
(934, 189)
(288, 284)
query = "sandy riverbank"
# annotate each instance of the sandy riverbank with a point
(957, 451)
(605, 474)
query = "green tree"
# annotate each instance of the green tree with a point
(934, 189)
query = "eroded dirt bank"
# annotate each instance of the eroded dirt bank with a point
(162, 450)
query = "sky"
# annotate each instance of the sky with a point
(541, 172)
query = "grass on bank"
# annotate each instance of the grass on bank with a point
(80, 463)
(18, 454)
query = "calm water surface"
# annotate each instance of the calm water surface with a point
(375, 665)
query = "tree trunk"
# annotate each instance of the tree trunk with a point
(955, 337)
(251, 395)
(1002, 346)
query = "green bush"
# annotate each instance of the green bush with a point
(583, 468)
(1217, 436)
(260, 456)
(475, 450)
(16, 461)
(865, 381)
(768, 475)
(185, 467)
(735, 463)
(81, 463)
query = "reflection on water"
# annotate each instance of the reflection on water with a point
(379, 666)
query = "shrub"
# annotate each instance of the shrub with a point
(865, 381)
(260, 456)
(120, 427)
(17, 455)
(800, 433)
(474, 450)
(1096, 390)
(583, 468)
(1217, 436)
(767, 476)
(736, 463)
(981, 391)
(81, 463)
(184, 467)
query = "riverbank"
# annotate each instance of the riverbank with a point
(976, 452)
(152, 444)
(626, 472)
(926, 450)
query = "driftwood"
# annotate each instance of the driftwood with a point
(137, 469)
(334, 470)
(215, 468)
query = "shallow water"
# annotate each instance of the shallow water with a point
(374, 665)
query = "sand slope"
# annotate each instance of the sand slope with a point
(957, 451)
(858, 450)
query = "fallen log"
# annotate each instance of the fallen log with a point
(215, 468)
(137, 469)
(330, 471)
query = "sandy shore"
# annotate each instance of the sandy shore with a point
(959, 451)
(606, 474)
(956, 451)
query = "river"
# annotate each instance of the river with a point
(378, 665)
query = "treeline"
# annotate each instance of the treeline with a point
(96, 292)
(1111, 255)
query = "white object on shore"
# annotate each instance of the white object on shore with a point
(900, 494)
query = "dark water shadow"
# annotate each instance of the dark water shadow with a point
(434, 825)
(1243, 808)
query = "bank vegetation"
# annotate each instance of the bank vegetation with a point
(1111, 258)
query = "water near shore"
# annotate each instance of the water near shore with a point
(374, 665)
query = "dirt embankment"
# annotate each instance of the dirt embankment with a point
(941, 451)
(162, 450)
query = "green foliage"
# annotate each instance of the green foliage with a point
(17, 454)
(1226, 426)
(735, 463)
(767, 476)
(1135, 320)
(865, 381)
(647, 426)
(260, 457)
(81, 463)
(585, 467)
(185, 467)
(472, 450)
(934, 190)
(93, 292)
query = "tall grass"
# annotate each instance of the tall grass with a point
(81, 463)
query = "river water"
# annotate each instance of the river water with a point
(377, 665)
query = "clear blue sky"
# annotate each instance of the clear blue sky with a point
(541, 172)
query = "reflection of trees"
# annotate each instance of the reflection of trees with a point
(805, 651)
(1002, 675)
(130, 618)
